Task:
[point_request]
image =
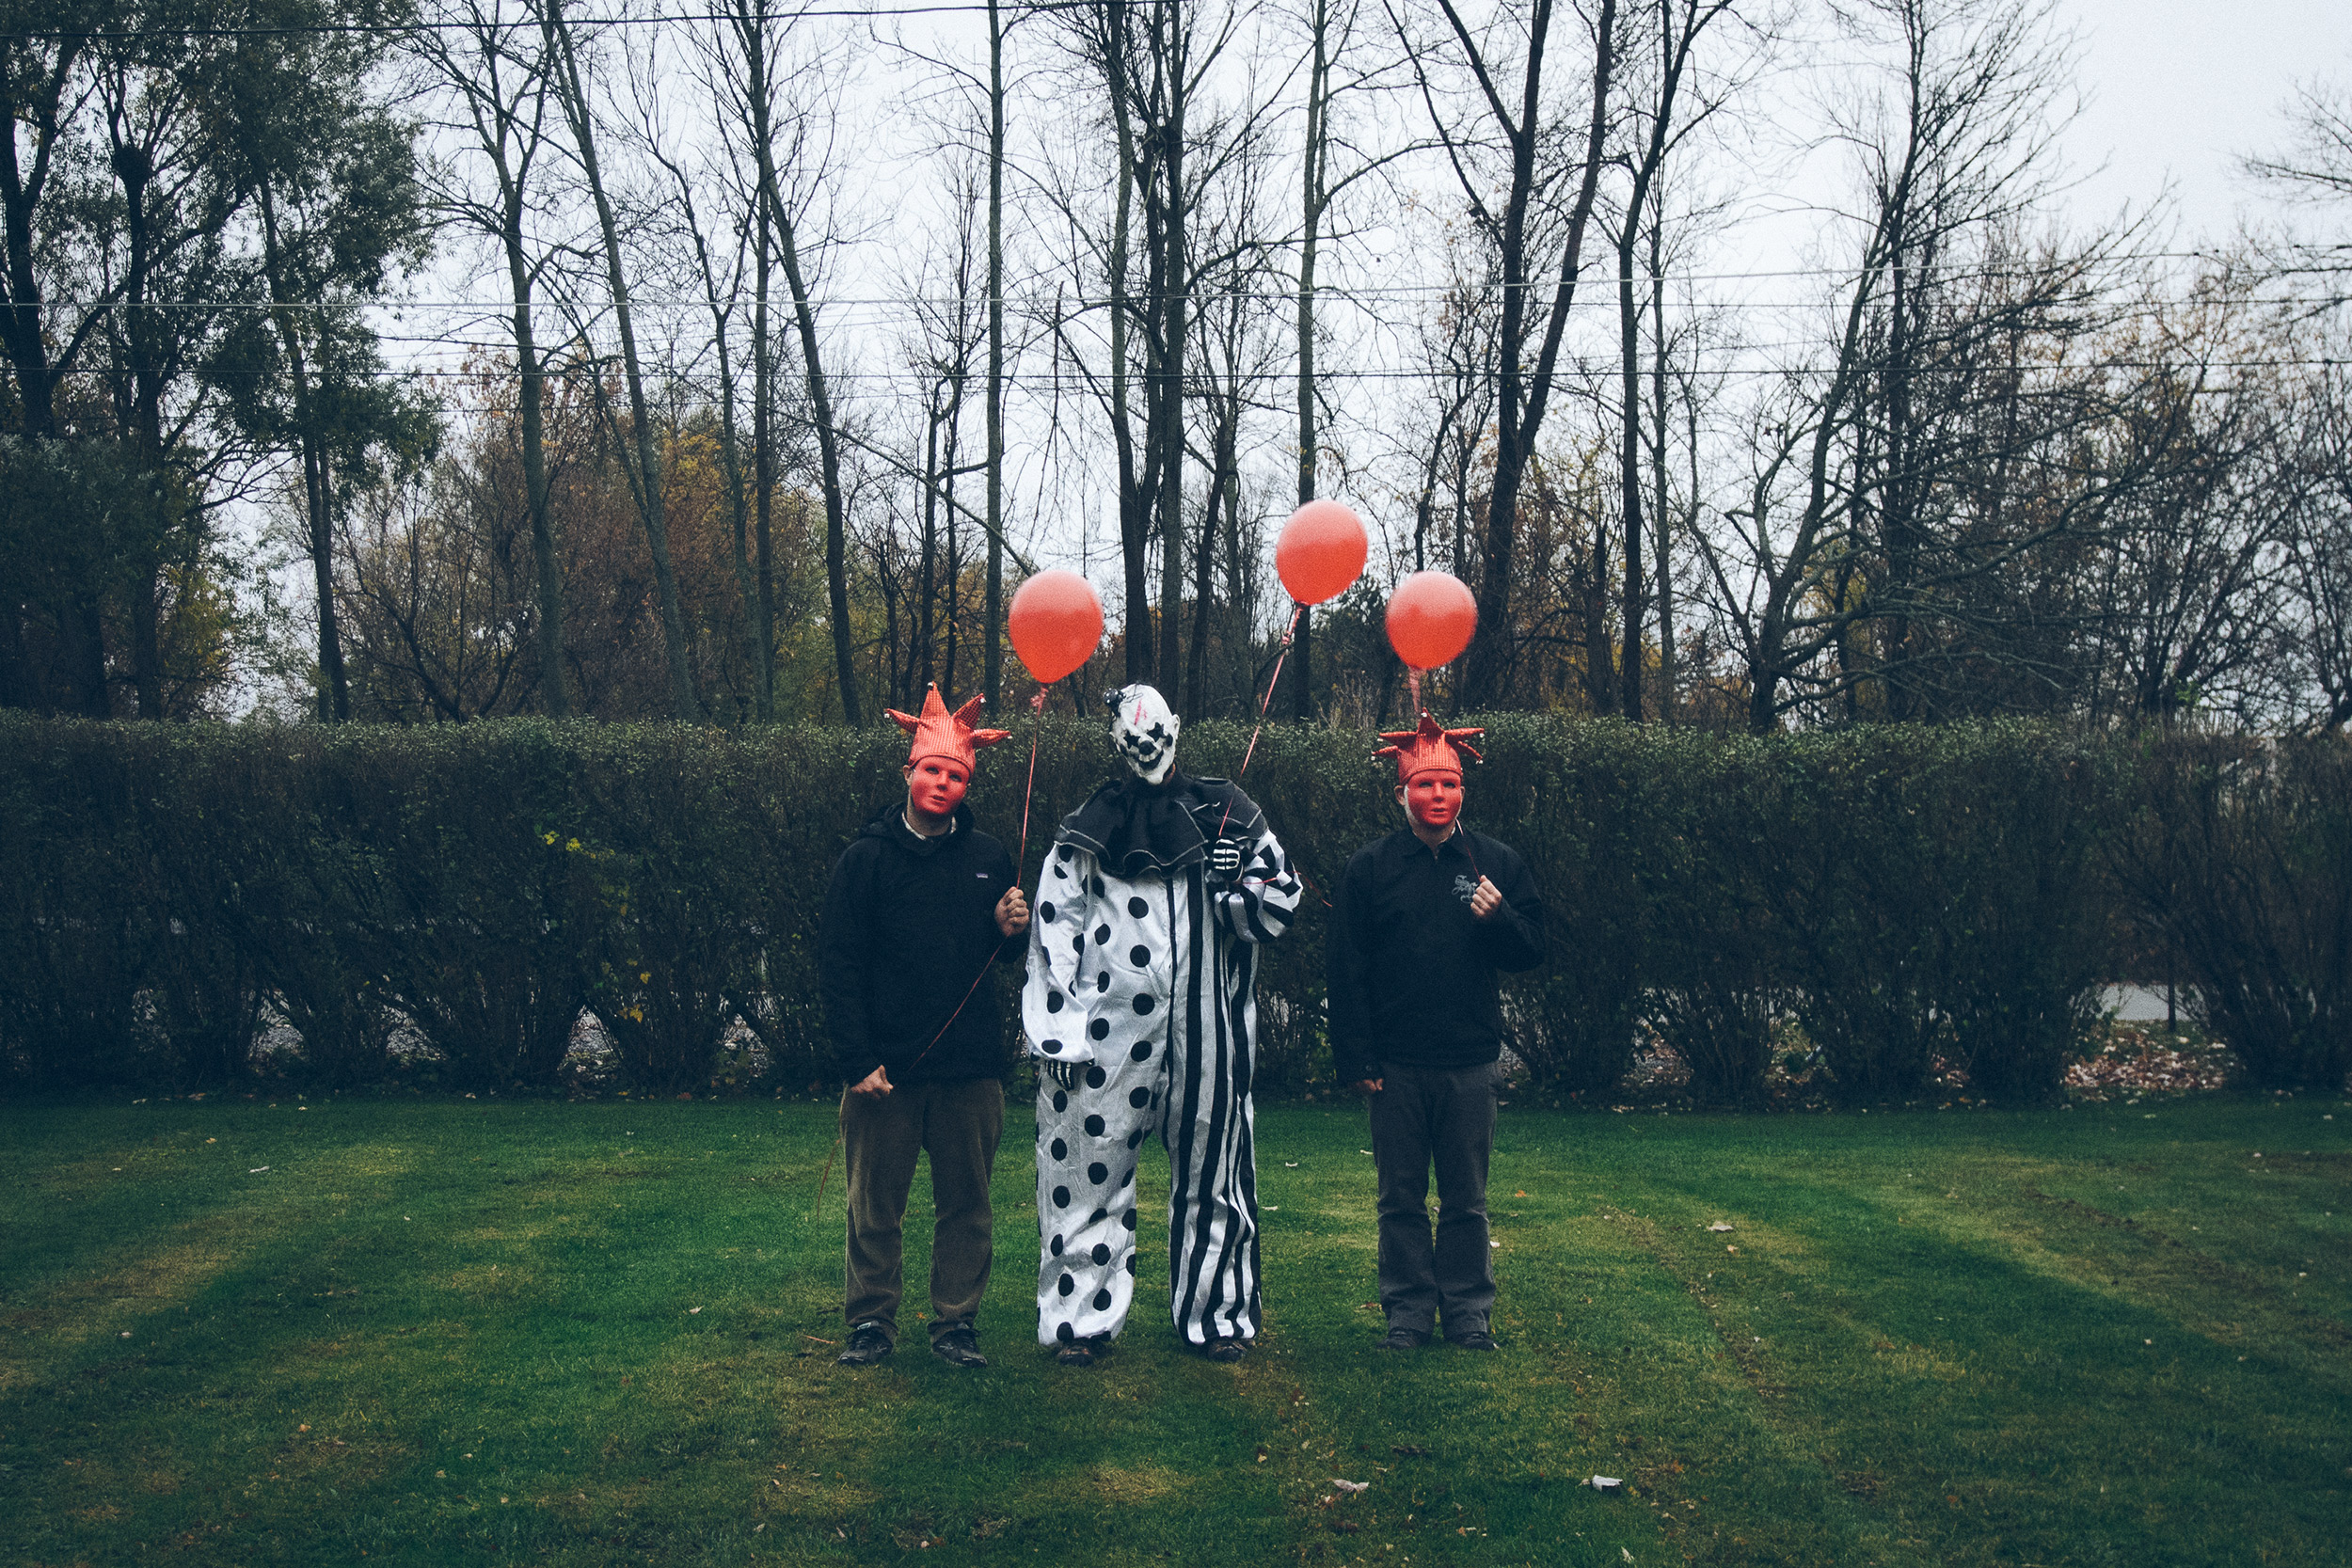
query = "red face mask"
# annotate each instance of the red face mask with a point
(1433, 798)
(935, 786)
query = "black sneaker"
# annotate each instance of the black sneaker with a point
(959, 1347)
(1084, 1352)
(1226, 1351)
(1401, 1337)
(869, 1343)
(1478, 1339)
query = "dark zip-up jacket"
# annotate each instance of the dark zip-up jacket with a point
(1411, 970)
(909, 923)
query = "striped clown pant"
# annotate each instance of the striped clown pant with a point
(1196, 1101)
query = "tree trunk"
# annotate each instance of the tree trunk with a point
(646, 481)
(993, 667)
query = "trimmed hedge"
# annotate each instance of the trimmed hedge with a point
(1907, 896)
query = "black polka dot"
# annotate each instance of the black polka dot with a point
(1139, 955)
(1052, 1002)
(1100, 1029)
(1063, 1331)
(1098, 1173)
(1139, 1098)
(1060, 1150)
(1052, 1047)
(1127, 1180)
(1102, 935)
(1066, 852)
(1140, 1051)
(1067, 1285)
(1097, 884)
(1103, 980)
(1135, 1137)
(1101, 1300)
(1045, 912)
(1098, 1216)
(1061, 1101)
(1078, 943)
(1131, 1263)
(1138, 908)
(1145, 1002)
(1060, 872)
(1058, 1247)
(1096, 1077)
(1061, 1198)
(1101, 1253)
(1127, 1219)
(1094, 1127)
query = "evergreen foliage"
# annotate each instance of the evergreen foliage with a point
(1912, 898)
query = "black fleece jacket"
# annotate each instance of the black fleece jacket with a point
(1412, 972)
(910, 923)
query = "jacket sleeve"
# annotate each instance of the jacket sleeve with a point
(842, 947)
(1049, 1007)
(1256, 905)
(1514, 935)
(1004, 871)
(1347, 958)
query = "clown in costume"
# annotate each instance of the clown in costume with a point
(922, 903)
(1139, 1007)
(1425, 917)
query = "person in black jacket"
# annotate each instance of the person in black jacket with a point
(1426, 918)
(922, 905)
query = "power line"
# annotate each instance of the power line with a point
(394, 29)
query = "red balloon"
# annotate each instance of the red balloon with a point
(1321, 552)
(1055, 622)
(1431, 617)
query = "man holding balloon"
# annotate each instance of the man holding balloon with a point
(1425, 920)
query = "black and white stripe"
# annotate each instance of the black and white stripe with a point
(1149, 982)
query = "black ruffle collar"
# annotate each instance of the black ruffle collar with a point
(1131, 828)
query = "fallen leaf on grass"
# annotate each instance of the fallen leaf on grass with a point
(1350, 1485)
(692, 1310)
(257, 1170)
(1719, 1225)
(1605, 1483)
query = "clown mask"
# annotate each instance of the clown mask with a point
(935, 786)
(939, 763)
(1143, 732)
(1433, 799)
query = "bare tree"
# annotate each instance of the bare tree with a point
(1535, 204)
(486, 65)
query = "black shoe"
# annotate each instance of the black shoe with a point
(1226, 1351)
(1401, 1337)
(1479, 1340)
(959, 1347)
(1084, 1352)
(869, 1343)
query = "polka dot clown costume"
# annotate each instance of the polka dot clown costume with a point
(1140, 1009)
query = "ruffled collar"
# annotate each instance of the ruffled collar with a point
(1131, 828)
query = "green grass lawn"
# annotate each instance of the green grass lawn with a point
(604, 1333)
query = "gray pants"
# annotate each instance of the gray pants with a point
(1445, 1117)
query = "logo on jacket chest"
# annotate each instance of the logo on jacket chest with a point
(1465, 888)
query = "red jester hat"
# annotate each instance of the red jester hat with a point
(1429, 769)
(949, 742)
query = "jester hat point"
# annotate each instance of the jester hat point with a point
(1430, 748)
(941, 733)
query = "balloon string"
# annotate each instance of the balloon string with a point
(1263, 702)
(1412, 679)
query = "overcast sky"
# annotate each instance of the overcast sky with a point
(2181, 89)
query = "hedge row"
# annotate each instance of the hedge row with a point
(1906, 896)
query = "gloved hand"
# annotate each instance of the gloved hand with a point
(1224, 859)
(1064, 1074)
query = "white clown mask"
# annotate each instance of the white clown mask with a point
(1143, 730)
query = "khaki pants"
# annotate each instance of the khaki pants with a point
(958, 1124)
